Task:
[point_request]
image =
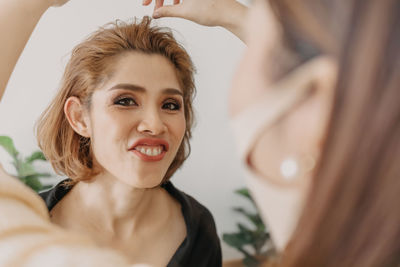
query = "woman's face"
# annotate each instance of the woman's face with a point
(136, 121)
(291, 138)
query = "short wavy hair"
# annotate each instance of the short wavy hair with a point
(91, 65)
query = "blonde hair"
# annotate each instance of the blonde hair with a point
(91, 65)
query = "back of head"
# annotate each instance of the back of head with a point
(351, 216)
(90, 66)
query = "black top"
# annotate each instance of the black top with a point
(201, 246)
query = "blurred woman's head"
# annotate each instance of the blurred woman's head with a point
(344, 58)
(124, 107)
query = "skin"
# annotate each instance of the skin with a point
(208, 13)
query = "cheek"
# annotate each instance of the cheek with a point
(179, 127)
(176, 129)
(109, 130)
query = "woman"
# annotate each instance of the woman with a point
(315, 106)
(119, 128)
(340, 111)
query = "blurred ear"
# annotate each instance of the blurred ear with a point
(326, 75)
(77, 116)
(302, 129)
(325, 83)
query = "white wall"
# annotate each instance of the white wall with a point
(212, 172)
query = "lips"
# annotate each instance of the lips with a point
(150, 149)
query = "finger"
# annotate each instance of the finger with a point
(168, 11)
(146, 2)
(59, 2)
(159, 3)
(176, 2)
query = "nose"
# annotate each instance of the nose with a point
(151, 122)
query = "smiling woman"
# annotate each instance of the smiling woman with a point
(99, 63)
(135, 103)
(119, 128)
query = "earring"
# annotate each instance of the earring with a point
(291, 167)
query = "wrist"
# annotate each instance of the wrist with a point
(45, 4)
(235, 19)
(34, 6)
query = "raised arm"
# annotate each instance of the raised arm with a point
(229, 14)
(18, 18)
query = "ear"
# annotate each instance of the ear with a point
(325, 83)
(77, 116)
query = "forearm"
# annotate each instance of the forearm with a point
(18, 19)
(235, 19)
(27, 237)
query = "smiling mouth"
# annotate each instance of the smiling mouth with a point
(150, 151)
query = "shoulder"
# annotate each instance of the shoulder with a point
(191, 208)
(202, 245)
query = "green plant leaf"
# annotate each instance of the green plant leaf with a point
(250, 261)
(248, 237)
(257, 238)
(261, 239)
(33, 182)
(244, 192)
(236, 240)
(37, 175)
(37, 155)
(8, 144)
(244, 228)
(247, 234)
(253, 217)
(25, 169)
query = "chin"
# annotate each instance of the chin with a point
(145, 182)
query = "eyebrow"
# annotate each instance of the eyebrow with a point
(140, 89)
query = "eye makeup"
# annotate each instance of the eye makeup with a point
(125, 101)
(172, 104)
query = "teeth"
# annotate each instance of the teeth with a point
(150, 151)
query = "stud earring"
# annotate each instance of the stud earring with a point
(291, 168)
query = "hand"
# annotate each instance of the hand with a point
(229, 14)
(56, 3)
(204, 12)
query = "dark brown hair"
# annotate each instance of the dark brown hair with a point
(91, 65)
(351, 217)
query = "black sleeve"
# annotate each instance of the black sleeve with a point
(201, 247)
(207, 248)
(52, 196)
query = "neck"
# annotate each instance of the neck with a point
(119, 210)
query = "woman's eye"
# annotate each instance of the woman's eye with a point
(126, 101)
(171, 106)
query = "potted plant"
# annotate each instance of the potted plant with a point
(253, 242)
(25, 170)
